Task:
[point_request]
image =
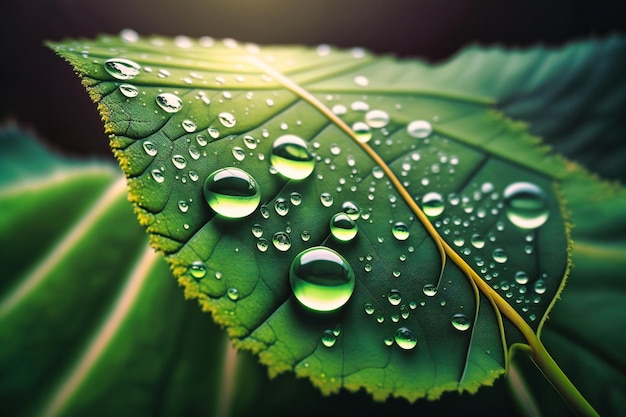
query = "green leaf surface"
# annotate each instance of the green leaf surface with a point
(191, 111)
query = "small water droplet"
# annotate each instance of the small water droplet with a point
(257, 230)
(169, 102)
(377, 118)
(158, 175)
(351, 209)
(328, 338)
(369, 309)
(295, 198)
(362, 132)
(232, 192)
(526, 205)
(163, 73)
(360, 106)
(339, 109)
(202, 140)
(419, 129)
(189, 126)
(122, 69)
(378, 172)
(343, 228)
(281, 206)
(394, 297)
(198, 269)
(405, 338)
(400, 231)
(213, 132)
(521, 277)
(194, 152)
(291, 157)
(233, 294)
(183, 206)
(239, 153)
(478, 241)
(499, 255)
(193, 176)
(226, 119)
(149, 148)
(250, 142)
(321, 279)
(305, 236)
(433, 204)
(179, 161)
(429, 290)
(326, 199)
(361, 81)
(335, 149)
(281, 241)
(262, 244)
(129, 90)
(460, 322)
(540, 286)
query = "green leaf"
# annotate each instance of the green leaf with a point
(491, 293)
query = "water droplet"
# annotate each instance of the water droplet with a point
(419, 129)
(149, 148)
(499, 255)
(189, 126)
(343, 228)
(202, 140)
(361, 81)
(321, 279)
(129, 90)
(129, 36)
(226, 119)
(369, 309)
(377, 118)
(291, 157)
(351, 209)
(213, 132)
(169, 102)
(239, 153)
(360, 106)
(478, 241)
(281, 206)
(433, 204)
(339, 109)
(459, 241)
(521, 277)
(193, 176)
(257, 230)
(526, 205)
(326, 199)
(328, 338)
(179, 161)
(378, 172)
(540, 286)
(194, 152)
(163, 73)
(122, 69)
(305, 236)
(335, 149)
(232, 192)
(250, 142)
(400, 231)
(183, 206)
(460, 322)
(394, 297)
(233, 294)
(295, 198)
(157, 175)
(281, 241)
(429, 290)
(198, 269)
(405, 338)
(262, 244)
(362, 132)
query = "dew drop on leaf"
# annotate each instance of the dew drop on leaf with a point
(433, 204)
(419, 129)
(213, 132)
(227, 119)
(499, 255)
(149, 148)
(526, 205)
(321, 279)
(158, 175)
(295, 198)
(291, 157)
(326, 199)
(250, 142)
(394, 297)
(429, 290)
(262, 244)
(369, 309)
(183, 206)
(179, 161)
(343, 228)
(405, 338)
(351, 209)
(189, 126)
(377, 118)
(400, 231)
(232, 192)
(129, 90)
(339, 109)
(362, 132)
(122, 69)
(460, 322)
(169, 102)
(521, 277)
(198, 269)
(233, 294)
(201, 139)
(328, 338)
(281, 206)
(239, 153)
(540, 286)
(281, 241)
(305, 236)
(257, 230)
(477, 241)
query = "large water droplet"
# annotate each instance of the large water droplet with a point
(499, 255)
(343, 228)
(226, 119)
(460, 322)
(394, 297)
(377, 118)
(129, 90)
(169, 102)
(232, 192)
(291, 157)
(419, 129)
(362, 131)
(433, 204)
(405, 338)
(521, 277)
(526, 205)
(321, 279)
(400, 231)
(429, 290)
(198, 269)
(477, 241)
(122, 69)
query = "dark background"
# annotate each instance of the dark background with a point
(40, 91)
